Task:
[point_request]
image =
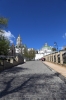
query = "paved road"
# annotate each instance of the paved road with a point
(31, 81)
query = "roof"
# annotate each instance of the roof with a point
(46, 46)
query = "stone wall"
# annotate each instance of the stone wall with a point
(11, 62)
(56, 57)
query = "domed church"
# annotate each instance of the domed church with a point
(45, 50)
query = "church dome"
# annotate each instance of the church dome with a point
(46, 47)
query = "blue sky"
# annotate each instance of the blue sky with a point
(37, 21)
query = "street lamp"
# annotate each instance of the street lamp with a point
(55, 43)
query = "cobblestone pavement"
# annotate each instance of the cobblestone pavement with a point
(31, 81)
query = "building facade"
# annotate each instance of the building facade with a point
(45, 50)
(19, 48)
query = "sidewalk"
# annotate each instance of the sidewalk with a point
(57, 68)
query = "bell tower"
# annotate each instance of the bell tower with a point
(19, 41)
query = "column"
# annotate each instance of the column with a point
(11, 60)
(49, 57)
(56, 57)
(61, 57)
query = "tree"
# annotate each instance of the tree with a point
(25, 53)
(64, 47)
(3, 22)
(53, 49)
(31, 54)
(4, 43)
(4, 46)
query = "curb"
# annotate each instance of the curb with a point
(57, 73)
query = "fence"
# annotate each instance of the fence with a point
(57, 57)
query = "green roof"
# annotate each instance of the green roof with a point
(46, 46)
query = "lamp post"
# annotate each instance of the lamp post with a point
(55, 43)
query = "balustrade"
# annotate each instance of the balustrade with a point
(57, 57)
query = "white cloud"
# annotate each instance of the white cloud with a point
(11, 41)
(8, 35)
(64, 36)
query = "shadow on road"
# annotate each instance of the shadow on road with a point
(36, 84)
(15, 70)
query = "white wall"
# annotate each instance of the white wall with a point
(18, 50)
(38, 56)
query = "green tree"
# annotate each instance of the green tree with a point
(4, 46)
(53, 49)
(3, 23)
(25, 53)
(4, 43)
(31, 54)
(64, 48)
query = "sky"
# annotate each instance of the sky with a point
(37, 21)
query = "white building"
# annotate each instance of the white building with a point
(19, 48)
(45, 50)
